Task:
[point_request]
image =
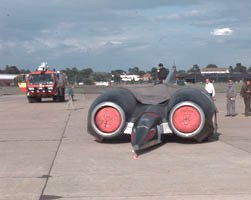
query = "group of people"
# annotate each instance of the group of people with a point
(231, 94)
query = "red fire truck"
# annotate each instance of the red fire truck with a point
(44, 83)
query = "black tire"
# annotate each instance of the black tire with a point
(200, 101)
(121, 99)
(34, 99)
(31, 99)
(61, 94)
(38, 99)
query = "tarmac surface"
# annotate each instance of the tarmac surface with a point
(46, 154)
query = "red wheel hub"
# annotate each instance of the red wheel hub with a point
(108, 119)
(186, 119)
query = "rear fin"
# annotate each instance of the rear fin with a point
(171, 77)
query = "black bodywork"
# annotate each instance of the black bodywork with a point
(150, 111)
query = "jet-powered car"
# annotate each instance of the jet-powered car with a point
(148, 112)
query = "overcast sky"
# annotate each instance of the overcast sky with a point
(118, 34)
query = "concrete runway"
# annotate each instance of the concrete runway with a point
(46, 154)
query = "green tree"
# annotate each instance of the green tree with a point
(86, 76)
(240, 68)
(71, 74)
(154, 73)
(211, 66)
(141, 73)
(116, 75)
(195, 68)
(195, 71)
(118, 71)
(11, 70)
(231, 69)
(134, 70)
(101, 76)
(76, 76)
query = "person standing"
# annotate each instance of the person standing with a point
(161, 73)
(246, 94)
(70, 97)
(231, 97)
(209, 87)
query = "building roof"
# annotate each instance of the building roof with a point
(147, 75)
(214, 70)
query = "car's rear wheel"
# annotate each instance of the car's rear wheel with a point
(191, 113)
(187, 119)
(108, 119)
(109, 113)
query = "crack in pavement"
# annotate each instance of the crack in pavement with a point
(236, 147)
(42, 140)
(42, 196)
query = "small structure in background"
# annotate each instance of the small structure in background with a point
(7, 79)
(128, 77)
(218, 70)
(43, 67)
(147, 77)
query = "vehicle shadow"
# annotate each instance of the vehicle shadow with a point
(52, 101)
(165, 140)
(175, 139)
(118, 140)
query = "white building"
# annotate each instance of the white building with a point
(101, 83)
(7, 79)
(127, 77)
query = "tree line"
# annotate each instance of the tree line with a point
(13, 70)
(238, 68)
(87, 76)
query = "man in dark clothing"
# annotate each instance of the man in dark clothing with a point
(246, 94)
(162, 73)
(231, 96)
